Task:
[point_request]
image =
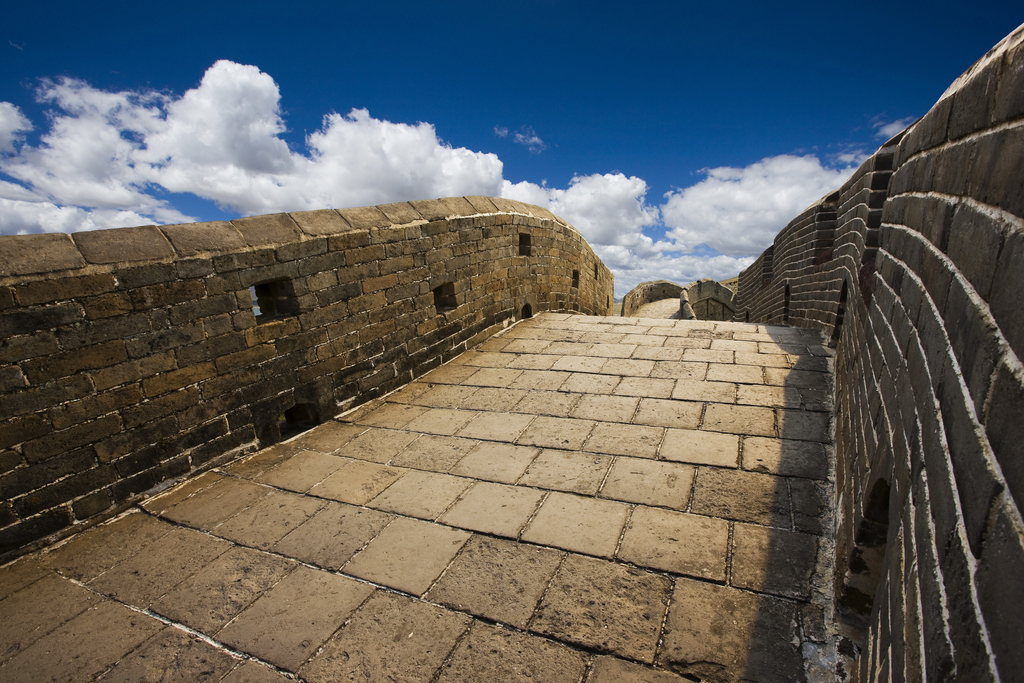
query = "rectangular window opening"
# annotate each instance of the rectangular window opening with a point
(273, 300)
(444, 297)
(575, 279)
(524, 244)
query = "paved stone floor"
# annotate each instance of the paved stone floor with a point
(578, 499)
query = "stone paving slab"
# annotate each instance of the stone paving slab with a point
(577, 499)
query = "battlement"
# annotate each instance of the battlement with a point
(135, 356)
(913, 269)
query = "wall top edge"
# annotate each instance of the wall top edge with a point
(42, 253)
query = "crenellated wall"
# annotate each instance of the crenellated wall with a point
(134, 356)
(915, 269)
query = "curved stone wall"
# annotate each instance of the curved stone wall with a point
(914, 269)
(130, 357)
(648, 292)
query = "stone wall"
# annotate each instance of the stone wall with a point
(706, 299)
(131, 357)
(914, 269)
(648, 292)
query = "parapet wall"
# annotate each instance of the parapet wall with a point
(648, 292)
(914, 268)
(131, 357)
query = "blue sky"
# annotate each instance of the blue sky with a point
(678, 137)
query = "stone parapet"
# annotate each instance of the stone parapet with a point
(913, 269)
(135, 356)
(648, 292)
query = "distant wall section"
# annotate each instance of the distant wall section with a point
(133, 356)
(648, 292)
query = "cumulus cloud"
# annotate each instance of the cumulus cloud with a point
(738, 211)
(111, 159)
(220, 141)
(12, 126)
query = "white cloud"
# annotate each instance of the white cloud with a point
(107, 159)
(501, 131)
(884, 130)
(12, 124)
(527, 137)
(221, 141)
(738, 211)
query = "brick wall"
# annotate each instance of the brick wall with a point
(134, 356)
(915, 268)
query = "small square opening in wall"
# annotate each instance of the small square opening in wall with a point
(444, 297)
(575, 279)
(273, 300)
(524, 244)
(299, 418)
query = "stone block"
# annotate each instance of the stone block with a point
(201, 239)
(645, 387)
(41, 253)
(494, 509)
(503, 463)
(172, 650)
(218, 592)
(288, 623)
(750, 420)
(622, 439)
(160, 566)
(567, 471)
(786, 457)
(356, 482)
(366, 643)
(440, 421)
(408, 555)
(701, 448)
(87, 645)
(604, 606)
(583, 525)
(721, 633)
(742, 496)
(421, 494)
(121, 245)
(400, 213)
(269, 519)
(493, 653)
(324, 222)
(676, 542)
(773, 561)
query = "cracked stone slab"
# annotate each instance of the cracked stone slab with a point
(408, 555)
(332, 536)
(214, 595)
(494, 509)
(365, 648)
(434, 453)
(676, 542)
(583, 525)
(650, 482)
(604, 606)
(773, 561)
(302, 471)
(503, 463)
(288, 623)
(421, 494)
(497, 579)
(490, 653)
(172, 655)
(724, 634)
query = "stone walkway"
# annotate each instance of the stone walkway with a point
(579, 499)
(666, 308)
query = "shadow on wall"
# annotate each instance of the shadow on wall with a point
(912, 270)
(133, 356)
